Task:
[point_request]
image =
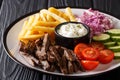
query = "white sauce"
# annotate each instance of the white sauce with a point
(72, 30)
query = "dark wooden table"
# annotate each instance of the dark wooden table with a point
(13, 9)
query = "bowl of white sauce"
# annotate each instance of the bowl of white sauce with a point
(69, 34)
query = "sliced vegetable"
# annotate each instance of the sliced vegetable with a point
(98, 22)
(90, 54)
(106, 56)
(97, 45)
(109, 44)
(101, 37)
(116, 38)
(115, 48)
(117, 55)
(114, 32)
(89, 65)
(79, 48)
(118, 43)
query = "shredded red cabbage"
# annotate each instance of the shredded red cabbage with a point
(97, 21)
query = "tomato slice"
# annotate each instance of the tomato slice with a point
(106, 56)
(89, 65)
(79, 48)
(90, 54)
(97, 45)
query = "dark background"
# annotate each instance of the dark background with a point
(13, 9)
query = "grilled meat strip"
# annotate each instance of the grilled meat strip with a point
(70, 67)
(38, 43)
(69, 55)
(41, 54)
(50, 57)
(30, 59)
(28, 48)
(45, 64)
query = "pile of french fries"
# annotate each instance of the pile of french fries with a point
(44, 22)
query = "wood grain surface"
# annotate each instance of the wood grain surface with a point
(110, 6)
(71, 3)
(13, 9)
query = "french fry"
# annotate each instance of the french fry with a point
(50, 18)
(65, 17)
(43, 16)
(58, 18)
(35, 31)
(43, 29)
(47, 24)
(24, 29)
(37, 17)
(59, 13)
(30, 22)
(54, 10)
(31, 37)
(25, 41)
(40, 32)
(70, 14)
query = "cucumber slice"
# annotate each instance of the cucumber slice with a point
(117, 55)
(114, 32)
(115, 38)
(115, 48)
(109, 44)
(118, 43)
(101, 37)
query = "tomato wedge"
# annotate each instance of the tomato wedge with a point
(89, 65)
(90, 54)
(106, 56)
(79, 48)
(97, 45)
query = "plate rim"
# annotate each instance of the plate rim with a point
(4, 36)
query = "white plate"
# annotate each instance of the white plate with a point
(10, 42)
